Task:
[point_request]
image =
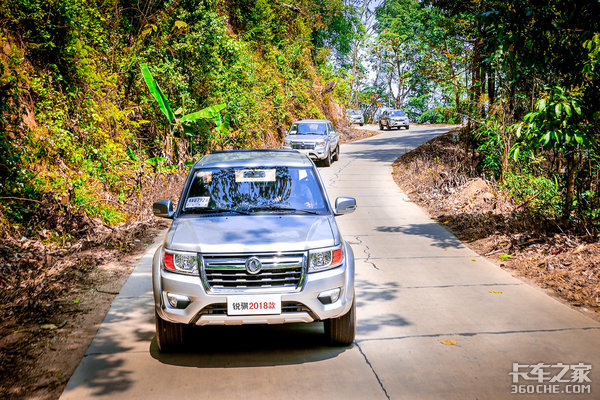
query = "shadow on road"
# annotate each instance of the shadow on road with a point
(440, 236)
(250, 346)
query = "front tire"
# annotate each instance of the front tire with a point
(337, 153)
(169, 336)
(341, 331)
(380, 126)
(327, 160)
(407, 127)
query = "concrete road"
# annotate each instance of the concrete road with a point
(417, 285)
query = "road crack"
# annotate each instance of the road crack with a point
(336, 176)
(367, 252)
(373, 370)
(473, 334)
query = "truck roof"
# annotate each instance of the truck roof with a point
(254, 158)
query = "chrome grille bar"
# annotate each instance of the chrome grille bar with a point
(227, 272)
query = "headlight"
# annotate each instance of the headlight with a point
(324, 259)
(320, 144)
(182, 262)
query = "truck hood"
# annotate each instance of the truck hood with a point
(252, 233)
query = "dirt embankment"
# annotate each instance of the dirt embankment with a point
(57, 281)
(480, 215)
(56, 292)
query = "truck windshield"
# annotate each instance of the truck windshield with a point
(243, 190)
(397, 113)
(309, 128)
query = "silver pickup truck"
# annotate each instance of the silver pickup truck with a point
(253, 241)
(317, 138)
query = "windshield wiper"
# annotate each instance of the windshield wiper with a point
(216, 210)
(276, 208)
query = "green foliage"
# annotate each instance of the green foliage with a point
(557, 122)
(539, 193)
(490, 148)
(212, 113)
(76, 119)
(421, 58)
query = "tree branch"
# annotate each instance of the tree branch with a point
(20, 198)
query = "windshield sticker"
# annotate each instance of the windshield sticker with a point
(197, 202)
(205, 175)
(255, 175)
(302, 174)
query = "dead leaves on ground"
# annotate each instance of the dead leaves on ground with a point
(449, 342)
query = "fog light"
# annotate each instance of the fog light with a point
(177, 300)
(329, 296)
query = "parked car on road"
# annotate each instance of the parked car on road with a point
(316, 138)
(253, 241)
(355, 117)
(393, 119)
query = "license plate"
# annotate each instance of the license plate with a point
(254, 305)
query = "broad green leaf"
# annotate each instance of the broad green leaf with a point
(219, 107)
(530, 116)
(568, 109)
(217, 118)
(558, 110)
(518, 131)
(546, 139)
(541, 104)
(579, 139)
(202, 114)
(158, 94)
(515, 152)
(211, 112)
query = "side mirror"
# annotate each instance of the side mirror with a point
(163, 209)
(345, 205)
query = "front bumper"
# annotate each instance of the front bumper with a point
(315, 154)
(398, 123)
(308, 307)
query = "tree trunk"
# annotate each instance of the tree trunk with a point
(570, 184)
(491, 86)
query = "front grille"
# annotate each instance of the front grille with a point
(226, 272)
(303, 146)
(286, 307)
